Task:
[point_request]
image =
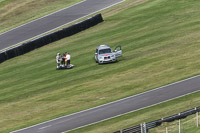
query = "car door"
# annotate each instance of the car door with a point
(118, 51)
(96, 55)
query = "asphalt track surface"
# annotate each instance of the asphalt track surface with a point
(117, 108)
(53, 21)
(100, 113)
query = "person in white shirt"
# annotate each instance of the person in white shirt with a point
(68, 58)
(58, 58)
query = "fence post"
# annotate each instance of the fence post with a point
(166, 130)
(141, 127)
(179, 124)
(197, 114)
(145, 128)
(121, 131)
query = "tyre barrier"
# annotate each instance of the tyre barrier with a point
(49, 38)
(156, 123)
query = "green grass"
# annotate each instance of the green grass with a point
(150, 114)
(188, 125)
(14, 13)
(160, 42)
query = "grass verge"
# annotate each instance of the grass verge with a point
(23, 11)
(150, 114)
(160, 42)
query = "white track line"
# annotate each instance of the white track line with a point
(42, 17)
(131, 111)
(44, 127)
(116, 102)
(15, 45)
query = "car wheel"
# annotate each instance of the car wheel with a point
(99, 63)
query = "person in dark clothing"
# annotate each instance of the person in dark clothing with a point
(63, 60)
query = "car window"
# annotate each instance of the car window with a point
(104, 51)
(118, 48)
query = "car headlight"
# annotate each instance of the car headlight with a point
(100, 58)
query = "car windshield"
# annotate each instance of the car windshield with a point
(105, 51)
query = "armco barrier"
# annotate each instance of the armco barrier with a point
(153, 124)
(181, 115)
(49, 38)
(135, 129)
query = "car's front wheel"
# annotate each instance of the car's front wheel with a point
(100, 63)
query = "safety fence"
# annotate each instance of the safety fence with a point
(49, 38)
(145, 127)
